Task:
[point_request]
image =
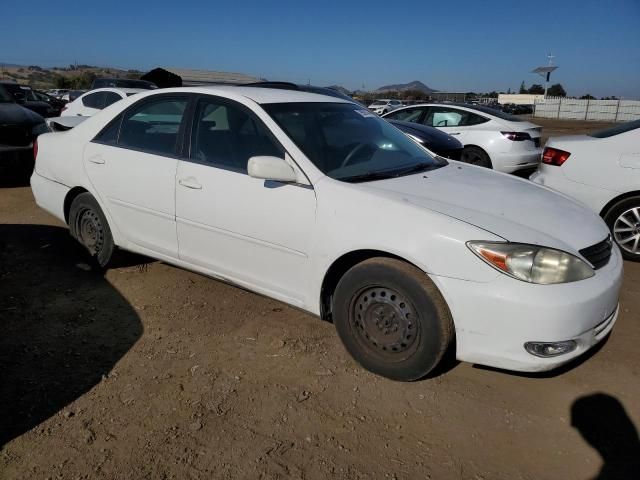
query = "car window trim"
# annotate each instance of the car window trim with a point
(140, 103)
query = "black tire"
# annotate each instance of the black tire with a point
(89, 226)
(476, 156)
(624, 208)
(392, 318)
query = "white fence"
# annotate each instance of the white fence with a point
(575, 109)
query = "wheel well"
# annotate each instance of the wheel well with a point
(619, 198)
(68, 200)
(336, 271)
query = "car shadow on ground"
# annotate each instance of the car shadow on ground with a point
(603, 422)
(63, 326)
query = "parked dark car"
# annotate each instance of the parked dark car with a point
(55, 104)
(514, 109)
(431, 138)
(19, 127)
(73, 94)
(26, 97)
(122, 83)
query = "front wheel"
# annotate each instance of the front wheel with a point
(89, 226)
(476, 156)
(623, 219)
(392, 318)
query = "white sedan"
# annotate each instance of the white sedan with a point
(319, 203)
(601, 170)
(491, 138)
(385, 105)
(93, 101)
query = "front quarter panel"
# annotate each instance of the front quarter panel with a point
(351, 218)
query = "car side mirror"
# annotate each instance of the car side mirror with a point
(20, 97)
(271, 168)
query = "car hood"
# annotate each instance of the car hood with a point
(433, 136)
(510, 207)
(14, 114)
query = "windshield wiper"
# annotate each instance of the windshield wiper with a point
(368, 176)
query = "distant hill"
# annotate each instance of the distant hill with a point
(401, 87)
(49, 77)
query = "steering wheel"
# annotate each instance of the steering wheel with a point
(353, 152)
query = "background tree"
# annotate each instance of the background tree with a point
(556, 90)
(588, 96)
(523, 88)
(536, 89)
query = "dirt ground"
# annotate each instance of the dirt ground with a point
(153, 372)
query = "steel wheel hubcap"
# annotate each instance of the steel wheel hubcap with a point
(385, 322)
(626, 230)
(90, 231)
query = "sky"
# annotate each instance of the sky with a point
(466, 45)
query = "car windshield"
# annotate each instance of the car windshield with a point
(617, 130)
(5, 97)
(379, 102)
(349, 143)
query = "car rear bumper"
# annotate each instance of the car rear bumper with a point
(49, 195)
(511, 162)
(494, 320)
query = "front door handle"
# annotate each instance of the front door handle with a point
(97, 159)
(454, 133)
(190, 182)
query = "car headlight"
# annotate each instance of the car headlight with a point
(39, 129)
(532, 263)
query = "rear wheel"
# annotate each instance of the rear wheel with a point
(392, 319)
(623, 219)
(89, 226)
(476, 156)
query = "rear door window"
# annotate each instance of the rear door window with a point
(111, 98)
(407, 115)
(94, 100)
(153, 126)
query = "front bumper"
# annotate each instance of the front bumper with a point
(494, 320)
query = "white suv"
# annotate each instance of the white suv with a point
(384, 106)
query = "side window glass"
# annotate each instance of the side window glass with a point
(153, 126)
(110, 98)
(473, 119)
(94, 100)
(442, 117)
(110, 134)
(406, 115)
(227, 137)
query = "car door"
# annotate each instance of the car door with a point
(132, 165)
(250, 231)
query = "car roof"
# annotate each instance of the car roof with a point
(118, 89)
(259, 95)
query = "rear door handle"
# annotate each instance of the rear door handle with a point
(190, 182)
(454, 133)
(97, 159)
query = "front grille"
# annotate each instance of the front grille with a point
(598, 255)
(15, 136)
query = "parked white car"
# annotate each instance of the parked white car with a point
(319, 203)
(491, 138)
(384, 105)
(93, 101)
(601, 170)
